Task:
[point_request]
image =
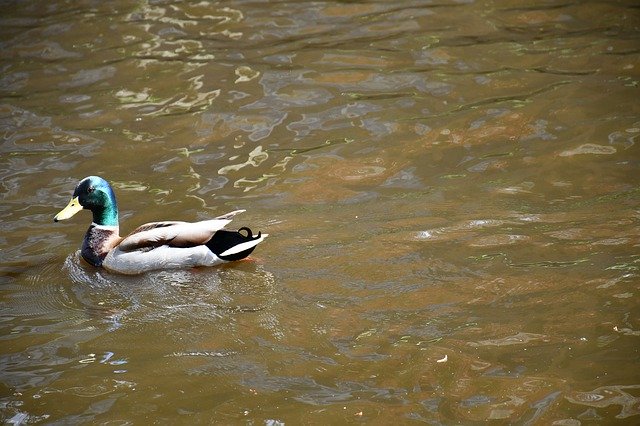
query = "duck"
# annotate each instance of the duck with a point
(155, 245)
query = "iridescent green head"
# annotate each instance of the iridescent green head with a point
(95, 194)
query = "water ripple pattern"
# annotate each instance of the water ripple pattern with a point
(451, 187)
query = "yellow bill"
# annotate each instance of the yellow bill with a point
(72, 208)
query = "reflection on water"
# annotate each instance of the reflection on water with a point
(451, 189)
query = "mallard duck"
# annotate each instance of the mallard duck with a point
(156, 245)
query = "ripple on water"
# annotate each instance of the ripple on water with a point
(45, 298)
(183, 297)
(610, 395)
(520, 338)
(589, 148)
(465, 229)
(498, 240)
(89, 76)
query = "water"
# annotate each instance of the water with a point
(451, 189)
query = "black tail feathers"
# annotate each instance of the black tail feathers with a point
(225, 239)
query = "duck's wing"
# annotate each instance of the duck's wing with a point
(173, 234)
(230, 215)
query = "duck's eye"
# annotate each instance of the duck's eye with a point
(90, 189)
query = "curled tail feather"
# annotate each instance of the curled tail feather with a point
(233, 245)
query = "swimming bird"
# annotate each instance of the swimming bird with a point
(155, 245)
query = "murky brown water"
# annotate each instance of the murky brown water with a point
(452, 191)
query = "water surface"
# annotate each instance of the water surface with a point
(452, 191)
